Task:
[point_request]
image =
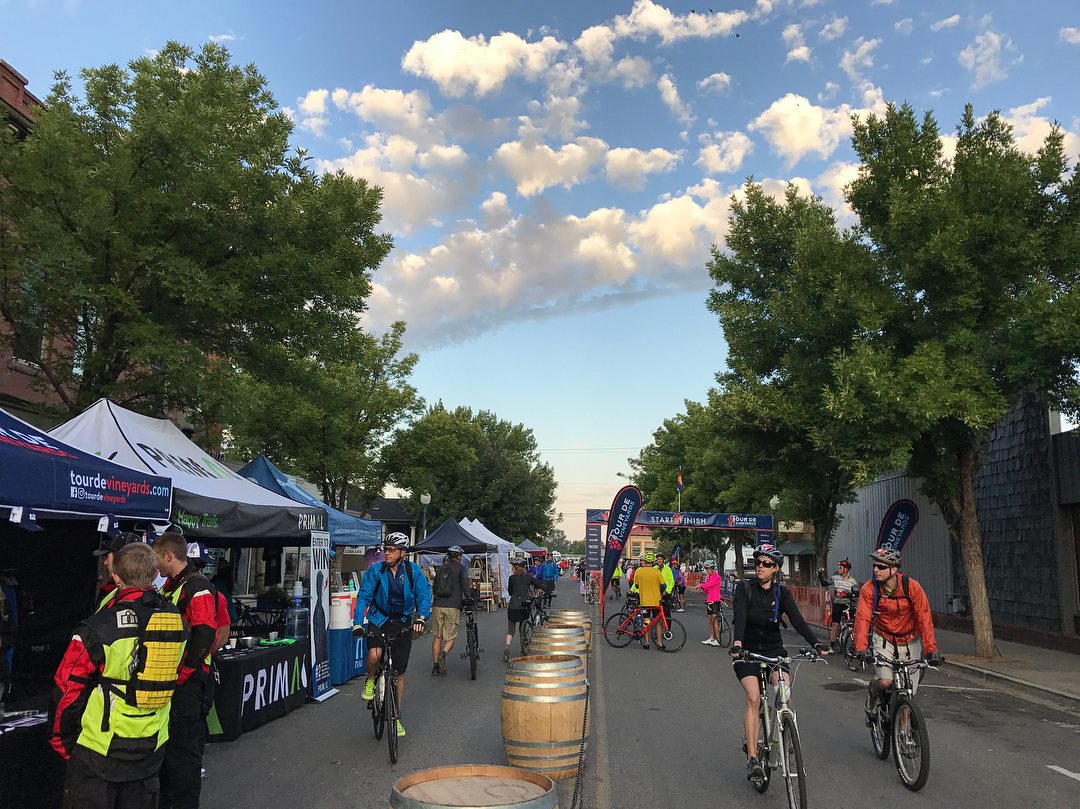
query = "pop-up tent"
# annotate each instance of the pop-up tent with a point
(447, 535)
(498, 560)
(345, 529)
(529, 546)
(211, 502)
(41, 474)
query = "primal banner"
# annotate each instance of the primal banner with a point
(689, 519)
(320, 614)
(897, 525)
(593, 556)
(624, 510)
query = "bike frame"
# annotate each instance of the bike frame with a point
(774, 707)
(644, 631)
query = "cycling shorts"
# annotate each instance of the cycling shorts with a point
(400, 646)
(680, 589)
(838, 609)
(749, 668)
(713, 607)
(912, 650)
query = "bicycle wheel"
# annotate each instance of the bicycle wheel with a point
(378, 715)
(911, 744)
(474, 650)
(391, 706)
(725, 629)
(613, 635)
(795, 775)
(762, 784)
(674, 637)
(879, 731)
(847, 643)
(526, 636)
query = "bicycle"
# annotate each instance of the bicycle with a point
(899, 724)
(779, 746)
(724, 625)
(620, 628)
(472, 641)
(592, 591)
(845, 641)
(616, 589)
(384, 707)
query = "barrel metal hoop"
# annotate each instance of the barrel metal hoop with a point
(575, 742)
(516, 698)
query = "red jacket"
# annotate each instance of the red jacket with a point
(900, 618)
(197, 602)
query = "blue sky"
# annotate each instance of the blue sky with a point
(555, 173)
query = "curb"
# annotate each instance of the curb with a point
(988, 674)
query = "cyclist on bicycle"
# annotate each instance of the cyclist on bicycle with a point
(843, 588)
(548, 574)
(649, 584)
(711, 586)
(393, 595)
(669, 579)
(616, 581)
(517, 612)
(759, 605)
(894, 616)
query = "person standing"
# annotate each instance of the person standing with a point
(650, 586)
(616, 581)
(392, 606)
(111, 721)
(548, 575)
(680, 585)
(517, 613)
(195, 597)
(893, 619)
(711, 586)
(107, 588)
(669, 580)
(451, 593)
(843, 588)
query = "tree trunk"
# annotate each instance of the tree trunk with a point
(971, 549)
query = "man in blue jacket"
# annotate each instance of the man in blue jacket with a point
(393, 604)
(548, 575)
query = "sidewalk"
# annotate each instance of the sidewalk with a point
(1053, 674)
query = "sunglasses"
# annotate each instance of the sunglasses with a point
(761, 563)
(879, 566)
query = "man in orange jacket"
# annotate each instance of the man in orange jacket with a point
(903, 628)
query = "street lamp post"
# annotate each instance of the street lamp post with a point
(774, 504)
(425, 499)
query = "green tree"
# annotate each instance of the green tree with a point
(479, 466)
(158, 228)
(329, 417)
(977, 258)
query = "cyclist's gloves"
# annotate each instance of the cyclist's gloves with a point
(935, 658)
(866, 656)
(736, 652)
(359, 630)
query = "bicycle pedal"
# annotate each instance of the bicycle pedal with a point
(463, 655)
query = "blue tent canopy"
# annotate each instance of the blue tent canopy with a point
(345, 529)
(41, 473)
(448, 534)
(528, 545)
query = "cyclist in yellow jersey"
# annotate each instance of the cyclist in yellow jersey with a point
(650, 584)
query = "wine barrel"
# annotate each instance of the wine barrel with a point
(579, 617)
(543, 713)
(560, 640)
(474, 786)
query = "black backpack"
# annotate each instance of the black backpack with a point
(444, 581)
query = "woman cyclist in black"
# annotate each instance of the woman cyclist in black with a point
(759, 604)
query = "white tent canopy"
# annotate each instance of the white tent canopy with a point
(505, 551)
(210, 501)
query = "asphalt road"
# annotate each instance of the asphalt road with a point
(666, 731)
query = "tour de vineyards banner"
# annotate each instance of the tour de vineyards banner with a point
(897, 525)
(624, 510)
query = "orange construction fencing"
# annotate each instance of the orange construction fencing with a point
(813, 603)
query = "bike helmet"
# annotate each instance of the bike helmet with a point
(519, 560)
(650, 557)
(886, 556)
(709, 563)
(768, 552)
(455, 550)
(396, 540)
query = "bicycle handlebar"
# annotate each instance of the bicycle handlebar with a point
(807, 653)
(921, 663)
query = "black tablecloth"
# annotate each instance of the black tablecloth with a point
(31, 773)
(257, 686)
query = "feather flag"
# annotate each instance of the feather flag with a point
(678, 481)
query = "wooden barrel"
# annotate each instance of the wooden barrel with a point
(560, 640)
(474, 785)
(579, 617)
(542, 713)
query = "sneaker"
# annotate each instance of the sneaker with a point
(708, 641)
(660, 647)
(754, 771)
(442, 663)
(506, 655)
(435, 670)
(400, 728)
(368, 694)
(644, 646)
(680, 610)
(714, 642)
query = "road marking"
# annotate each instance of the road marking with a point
(929, 685)
(1073, 775)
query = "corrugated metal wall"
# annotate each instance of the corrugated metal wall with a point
(927, 555)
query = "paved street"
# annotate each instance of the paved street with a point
(666, 731)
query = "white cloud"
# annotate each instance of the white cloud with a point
(596, 45)
(633, 71)
(672, 230)
(556, 117)
(983, 58)
(796, 43)
(938, 92)
(220, 38)
(830, 91)
(854, 62)
(795, 127)
(314, 103)
(1030, 129)
(647, 19)
(882, 2)
(723, 152)
(458, 65)
(716, 82)
(1070, 35)
(834, 29)
(535, 166)
(669, 93)
(830, 185)
(315, 124)
(496, 211)
(947, 22)
(629, 167)
(904, 26)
